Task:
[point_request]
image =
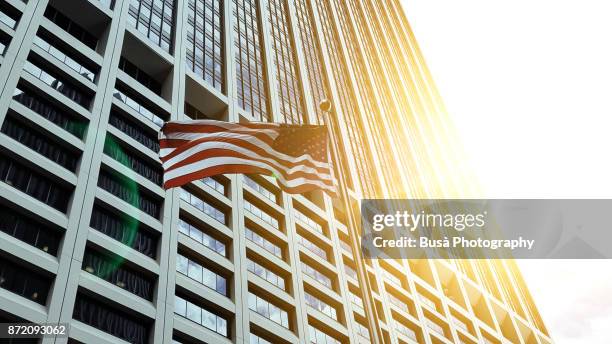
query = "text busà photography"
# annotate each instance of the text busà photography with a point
(305, 171)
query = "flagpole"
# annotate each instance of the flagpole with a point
(376, 335)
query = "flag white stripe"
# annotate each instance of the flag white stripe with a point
(253, 140)
(204, 146)
(218, 161)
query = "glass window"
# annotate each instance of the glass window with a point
(201, 274)
(203, 49)
(250, 70)
(147, 21)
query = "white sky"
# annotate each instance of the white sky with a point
(529, 86)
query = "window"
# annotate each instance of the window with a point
(139, 75)
(40, 143)
(401, 328)
(202, 275)
(319, 337)
(24, 281)
(4, 42)
(204, 41)
(203, 206)
(263, 243)
(248, 206)
(287, 79)
(266, 274)
(140, 109)
(435, 327)
(260, 189)
(64, 58)
(71, 27)
(154, 19)
(213, 183)
(312, 224)
(362, 330)
(136, 132)
(8, 15)
(32, 183)
(200, 316)
(312, 54)
(312, 247)
(392, 277)
(110, 320)
(321, 306)
(201, 237)
(135, 163)
(114, 270)
(350, 271)
(268, 310)
(128, 191)
(255, 339)
(251, 77)
(124, 229)
(356, 300)
(318, 276)
(58, 83)
(32, 232)
(346, 246)
(399, 303)
(193, 113)
(50, 112)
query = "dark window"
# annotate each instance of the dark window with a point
(4, 42)
(114, 270)
(124, 229)
(137, 164)
(9, 15)
(128, 191)
(110, 320)
(23, 281)
(71, 27)
(136, 105)
(287, 80)
(204, 41)
(194, 113)
(29, 231)
(252, 94)
(139, 75)
(134, 131)
(50, 112)
(68, 89)
(34, 184)
(40, 143)
(154, 19)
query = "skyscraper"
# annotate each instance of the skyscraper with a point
(88, 236)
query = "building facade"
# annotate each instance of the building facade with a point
(90, 238)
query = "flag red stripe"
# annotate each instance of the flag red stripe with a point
(220, 152)
(244, 144)
(170, 142)
(213, 171)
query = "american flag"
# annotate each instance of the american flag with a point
(296, 155)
